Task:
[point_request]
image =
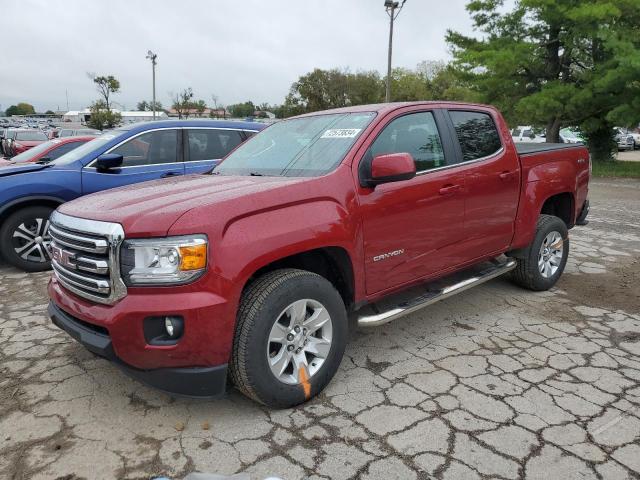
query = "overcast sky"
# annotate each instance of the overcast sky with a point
(239, 49)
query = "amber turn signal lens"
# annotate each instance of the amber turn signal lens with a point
(193, 257)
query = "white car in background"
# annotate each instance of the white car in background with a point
(527, 134)
(568, 135)
(627, 139)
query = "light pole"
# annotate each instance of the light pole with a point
(152, 56)
(393, 10)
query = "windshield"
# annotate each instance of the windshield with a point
(30, 136)
(82, 150)
(33, 152)
(300, 147)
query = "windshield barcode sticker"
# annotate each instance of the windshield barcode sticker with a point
(341, 133)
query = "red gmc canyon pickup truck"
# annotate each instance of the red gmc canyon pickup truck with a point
(355, 216)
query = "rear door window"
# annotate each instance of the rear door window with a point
(211, 144)
(477, 134)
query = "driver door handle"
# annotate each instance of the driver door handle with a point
(171, 174)
(449, 189)
(506, 175)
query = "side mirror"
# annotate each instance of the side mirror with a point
(392, 167)
(109, 161)
(44, 160)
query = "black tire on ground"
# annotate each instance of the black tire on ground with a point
(527, 274)
(582, 218)
(34, 220)
(262, 303)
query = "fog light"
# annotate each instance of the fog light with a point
(173, 326)
(169, 326)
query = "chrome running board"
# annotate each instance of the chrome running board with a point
(387, 310)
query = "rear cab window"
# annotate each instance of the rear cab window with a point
(477, 134)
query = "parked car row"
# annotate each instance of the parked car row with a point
(15, 142)
(16, 138)
(626, 139)
(46, 151)
(135, 153)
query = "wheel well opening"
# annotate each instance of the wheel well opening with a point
(561, 206)
(27, 203)
(332, 263)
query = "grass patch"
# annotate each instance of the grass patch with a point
(616, 168)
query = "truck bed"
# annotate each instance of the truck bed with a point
(528, 148)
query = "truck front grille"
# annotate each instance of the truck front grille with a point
(86, 257)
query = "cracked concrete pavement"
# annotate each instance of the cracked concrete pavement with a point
(497, 382)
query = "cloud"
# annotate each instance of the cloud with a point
(239, 50)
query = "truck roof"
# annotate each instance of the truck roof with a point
(387, 107)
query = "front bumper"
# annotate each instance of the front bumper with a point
(186, 381)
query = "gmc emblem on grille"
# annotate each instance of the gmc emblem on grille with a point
(63, 258)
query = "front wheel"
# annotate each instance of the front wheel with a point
(24, 239)
(544, 261)
(290, 337)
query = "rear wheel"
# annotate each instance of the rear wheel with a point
(543, 262)
(24, 239)
(290, 337)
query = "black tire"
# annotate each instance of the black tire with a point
(262, 303)
(527, 274)
(31, 218)
(582, 218)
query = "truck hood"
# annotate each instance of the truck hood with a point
(7, 170)
(150, 208)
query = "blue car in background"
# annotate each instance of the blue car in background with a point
(131, 154)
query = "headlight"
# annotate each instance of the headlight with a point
(163, 261)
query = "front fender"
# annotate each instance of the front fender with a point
(47, 185)
(254, 241)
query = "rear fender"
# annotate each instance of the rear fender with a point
(542, 182)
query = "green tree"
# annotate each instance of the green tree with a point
(182, 102)
(240, 110)
(144, 106)
(557, 64)
(106, 86)
(200, 106)
(364, 88)
(101, 117)
(21, 108)
(49, 112)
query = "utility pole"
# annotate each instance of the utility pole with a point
(66, 92)
(393, 10)
(152, 56)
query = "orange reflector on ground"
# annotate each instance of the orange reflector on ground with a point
(193, 257)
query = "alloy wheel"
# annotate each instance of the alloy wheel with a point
(550, 256)
(299, 341)
(31, 240)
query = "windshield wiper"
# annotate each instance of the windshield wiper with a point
(256, 174)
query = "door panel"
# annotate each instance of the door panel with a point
(411, 228)
(150, 156)
(493, 183)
